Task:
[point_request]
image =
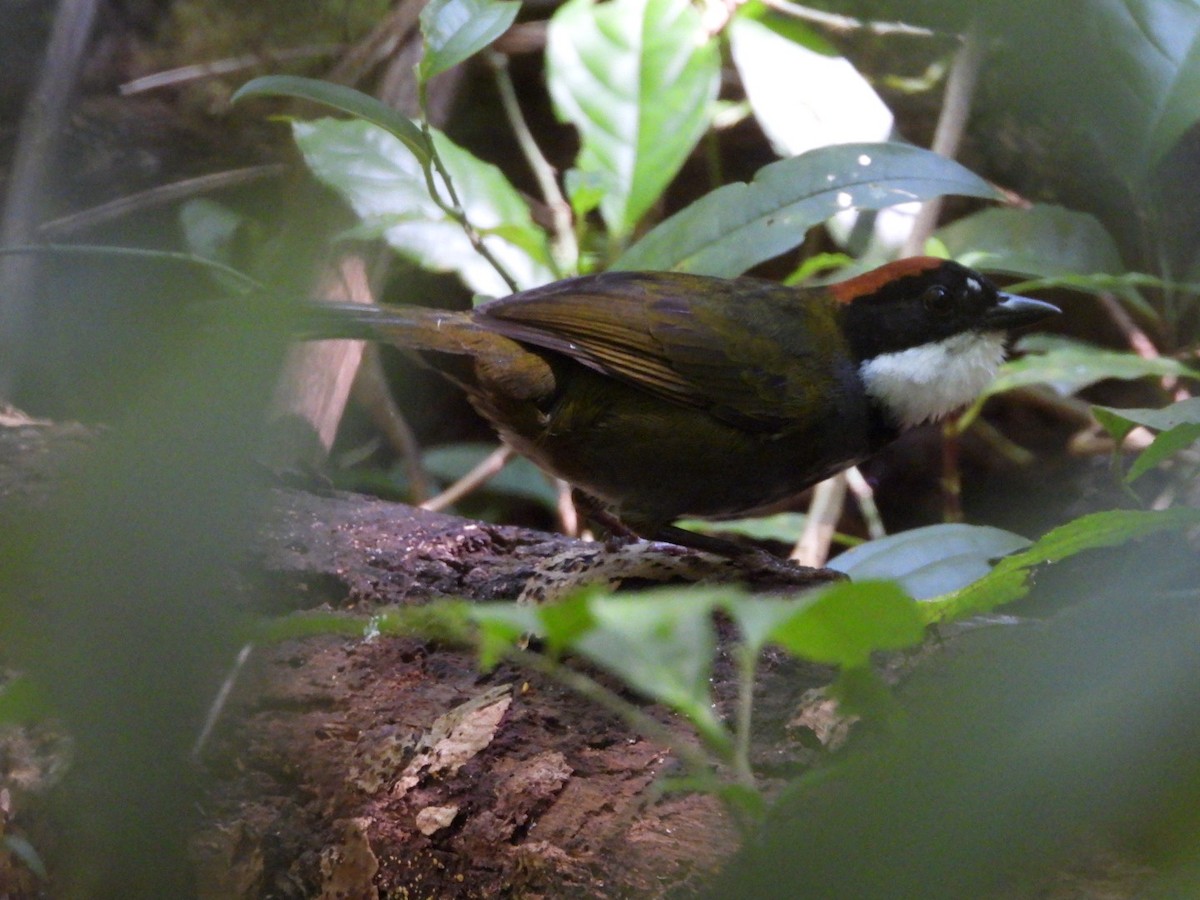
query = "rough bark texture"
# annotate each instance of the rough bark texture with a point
(354, 765)
(393, 767)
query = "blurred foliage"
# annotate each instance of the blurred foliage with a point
(114, 598)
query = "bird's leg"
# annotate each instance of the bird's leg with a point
(619, 534)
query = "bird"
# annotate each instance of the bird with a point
(664, 395)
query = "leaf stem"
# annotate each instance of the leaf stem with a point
(565, 245)
(747, 660)
(454, 208)
(697, 761)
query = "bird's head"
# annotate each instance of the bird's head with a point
(928, 334)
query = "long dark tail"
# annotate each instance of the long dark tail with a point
(407, 327)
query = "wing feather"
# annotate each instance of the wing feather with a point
(744, 349)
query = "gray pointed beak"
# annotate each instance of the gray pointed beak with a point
(1013, 311)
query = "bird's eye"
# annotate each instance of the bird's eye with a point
(938, 300)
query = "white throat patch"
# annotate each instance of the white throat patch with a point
(924, 383)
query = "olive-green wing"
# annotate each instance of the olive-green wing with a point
(748, 351)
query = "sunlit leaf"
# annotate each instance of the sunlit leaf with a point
(636, 78)
(930, 561)
(455, 30)
(803, 93)
(740, 225)
(385, 185)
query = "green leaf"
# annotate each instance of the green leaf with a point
(803, 93)
(846, 623)
(1179, 424)
(455, 30)
(930, 561)
(346, 100)
(636, 78)
(1118, 80)
(740, 225)
(1041, 241)
(502, 628)
(386, 186)
(784, 527)
(1163, 447)
(1009, 579)
(661, 643)
(1185, 412)
(519, 478)
(1111, 421)
(1069, 366)
(1102, 529)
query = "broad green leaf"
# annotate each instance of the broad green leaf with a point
(520, 477)
(385, 185)
(1117, 79)
(661, 643)
(846, 623)
(803, 93)
(341, 98)
(636, 78)
(1008, 581)
(1041, 241)
(757, 618)
(1102, 529)
(1069, 366)
(930, 561)
(740, 225)
(455, 30)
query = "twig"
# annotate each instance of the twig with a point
(156, 196)
(952, 123)
(823, 513)
(243, 280)
(199, 71)
(864, 496)
(565, 246)
(42, 122)
(478, 476)
(568, 515)
(836, 22)
(218, 704)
